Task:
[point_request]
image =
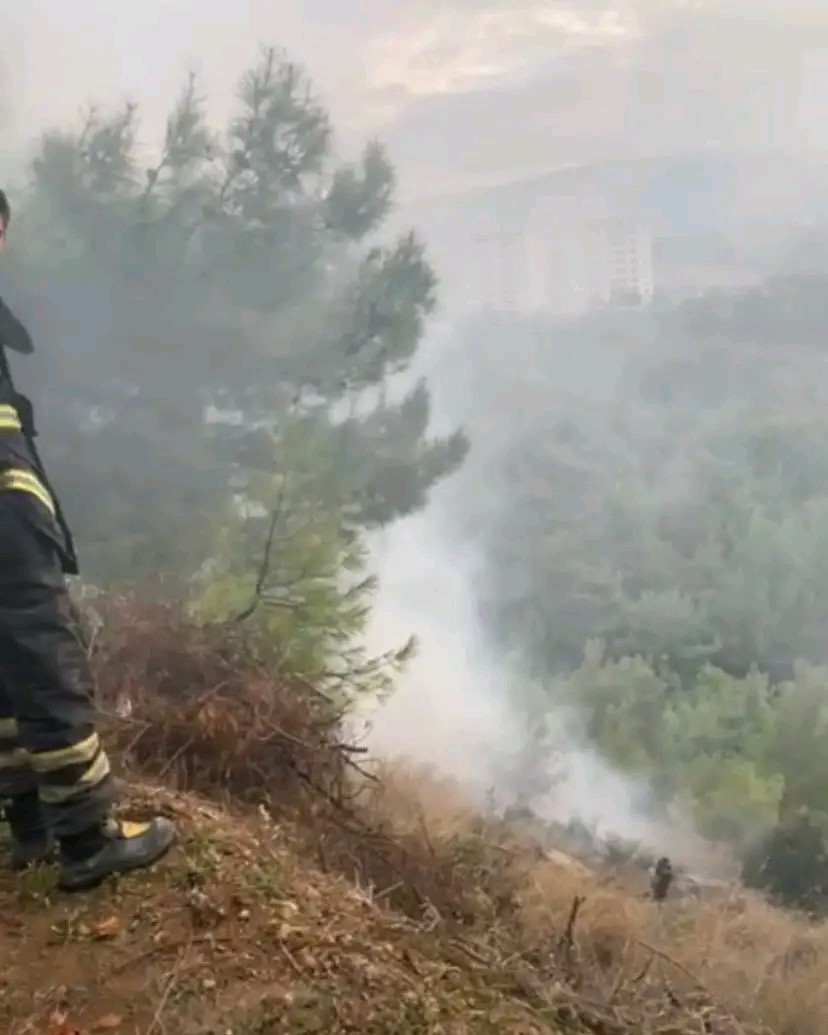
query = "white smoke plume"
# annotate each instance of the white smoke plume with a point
(460, 708)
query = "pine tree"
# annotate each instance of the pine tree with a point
(242, 275)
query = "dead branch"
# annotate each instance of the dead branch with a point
(264, 567)
(567, 942)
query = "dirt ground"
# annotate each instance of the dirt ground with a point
(235, 933)
(304, 898)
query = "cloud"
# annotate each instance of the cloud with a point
(806, 13)
(479, 98)
(444, 50)
(457, 87)
(455, 50)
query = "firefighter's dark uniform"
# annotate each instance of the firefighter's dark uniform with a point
(55, 777)
(48, 740)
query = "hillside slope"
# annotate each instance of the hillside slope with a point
(241, 931)
(237, 932)
(306, 896)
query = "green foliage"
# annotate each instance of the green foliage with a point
(714, 742)
(360, 196)
(791, 863)
(683, 529)
(800, 752)
(786, 310)
(669, 522)
(240, 275)
(291, 571)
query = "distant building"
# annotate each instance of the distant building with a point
(615, 233)
(566, 257)
(621, 265)
(812, 112)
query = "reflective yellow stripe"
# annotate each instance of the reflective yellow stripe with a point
(95, 774)
(9, 418)
(20, 480)
(77, 754)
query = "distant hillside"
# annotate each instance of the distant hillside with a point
(692, 192)
(718, 218)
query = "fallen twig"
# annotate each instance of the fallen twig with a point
(172, 980)
(700, 986)
(567, 942)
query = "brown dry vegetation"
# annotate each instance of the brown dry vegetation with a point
(306, 897)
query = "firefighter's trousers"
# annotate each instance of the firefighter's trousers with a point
(48, 739)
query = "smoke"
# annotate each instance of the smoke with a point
(451, 708)
(461, 710)
(464, 710)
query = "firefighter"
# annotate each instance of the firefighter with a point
(56, 787)
(661, 879)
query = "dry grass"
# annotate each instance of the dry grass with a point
(434, 920)
(728, 962)
(237, 933)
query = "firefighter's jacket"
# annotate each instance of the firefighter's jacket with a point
(21, 469)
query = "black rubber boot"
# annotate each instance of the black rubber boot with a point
(26, 853)
(113, 848)
(31, 840)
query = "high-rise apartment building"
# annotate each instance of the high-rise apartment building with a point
(565, 259)
(621, 264)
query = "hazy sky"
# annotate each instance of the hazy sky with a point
(464, 90)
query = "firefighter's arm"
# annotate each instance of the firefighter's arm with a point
(12, 332)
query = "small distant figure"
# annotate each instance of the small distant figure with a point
(662, 878)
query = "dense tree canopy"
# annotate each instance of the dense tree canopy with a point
(219, 333)
(661, 510)
(683, 514)
(186, 311)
